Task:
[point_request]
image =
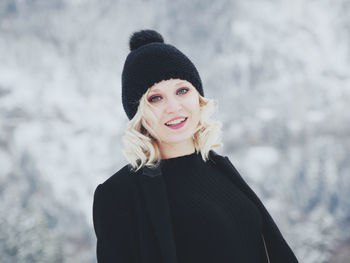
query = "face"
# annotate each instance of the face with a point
(174, 98)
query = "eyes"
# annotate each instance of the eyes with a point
(152, 98)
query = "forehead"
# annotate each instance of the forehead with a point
(168, 83)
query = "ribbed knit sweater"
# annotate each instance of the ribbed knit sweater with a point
(213, 221)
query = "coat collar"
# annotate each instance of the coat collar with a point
(157, 205)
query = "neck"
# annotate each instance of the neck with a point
(176, 149)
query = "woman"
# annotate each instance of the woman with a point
(177, 200)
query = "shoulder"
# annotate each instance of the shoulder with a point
(120, 178)
(116, 189)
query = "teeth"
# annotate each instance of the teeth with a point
(175, 121)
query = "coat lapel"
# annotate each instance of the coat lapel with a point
(157, 205)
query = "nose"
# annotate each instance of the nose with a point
(173, 105)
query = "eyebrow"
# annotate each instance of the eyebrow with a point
(178, 84)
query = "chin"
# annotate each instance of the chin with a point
(177, 139)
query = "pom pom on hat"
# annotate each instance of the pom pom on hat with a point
(144, 37)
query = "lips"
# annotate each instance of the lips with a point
(180, 117)
(178, 126)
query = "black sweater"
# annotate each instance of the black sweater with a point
(213, 221)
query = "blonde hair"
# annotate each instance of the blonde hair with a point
(143, 147)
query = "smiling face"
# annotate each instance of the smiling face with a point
(172, 99)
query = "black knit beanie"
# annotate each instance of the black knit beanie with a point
(150, 61)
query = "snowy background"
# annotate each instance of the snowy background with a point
(279, 69)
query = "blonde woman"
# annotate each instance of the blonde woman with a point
(177, 200)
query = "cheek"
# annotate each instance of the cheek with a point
(195, 107)
(197, 116)
(154, 123)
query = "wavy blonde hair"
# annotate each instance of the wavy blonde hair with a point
(143, 147)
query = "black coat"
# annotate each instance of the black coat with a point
(132, 220)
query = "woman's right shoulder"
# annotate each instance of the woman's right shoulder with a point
(120, 179)
(117, 188)
(122, 176)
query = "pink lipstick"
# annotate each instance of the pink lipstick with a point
(178, 126)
